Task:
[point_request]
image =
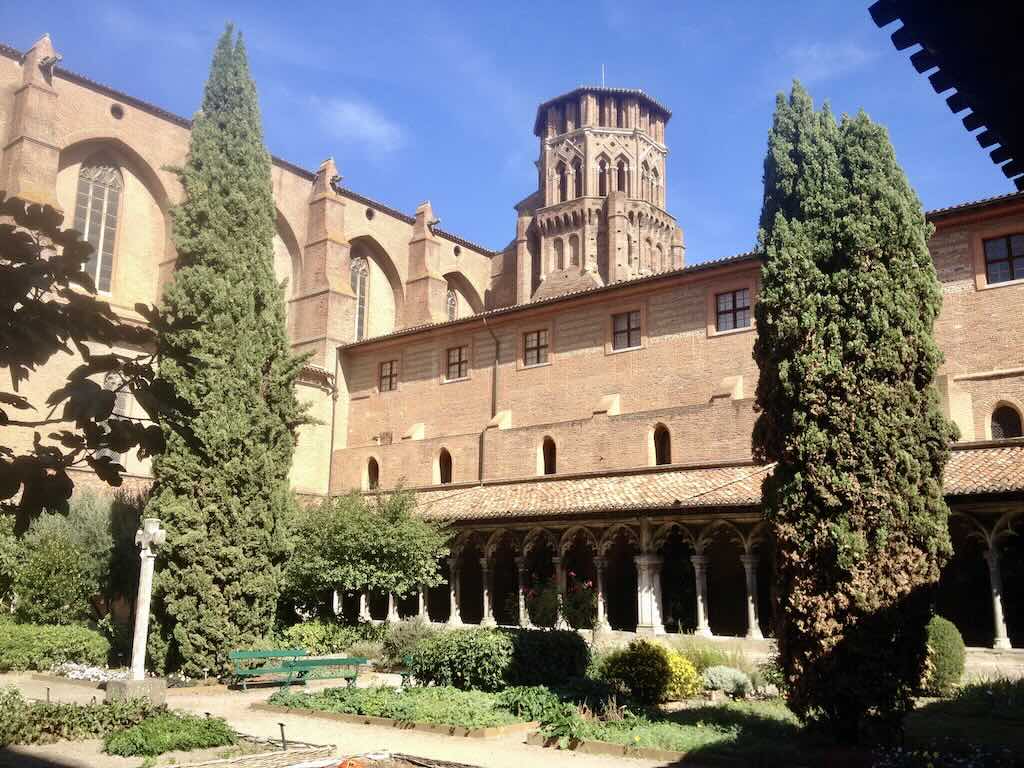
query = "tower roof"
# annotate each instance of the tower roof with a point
(538, 123)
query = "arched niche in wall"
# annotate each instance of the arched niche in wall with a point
(386, 297)
(469, 299)
(142, 241)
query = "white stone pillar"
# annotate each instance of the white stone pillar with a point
(454, 617)
(421, 604)
(364, 607)
(392, 609)
(700, 577)
(486, 575)
(524, 614)
(601, 623)
(560, 622)
(750, 569)
(648, 595)
(1002, 639)
(150, 536)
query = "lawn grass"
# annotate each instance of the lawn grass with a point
(436, 706)
(989, 713)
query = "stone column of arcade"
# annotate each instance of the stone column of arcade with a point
(392, 615)
(1002, 638)
(648, 594)
(750, 569)
(601, 623)
(700, 576)
(454, 618)
(486, 575)
(149, 537)
(524, 615)
(421, 604)
(364, 607)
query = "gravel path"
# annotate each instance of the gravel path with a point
(350, 739)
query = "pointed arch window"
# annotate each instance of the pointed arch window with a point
(563, 182)
(96, 207)
(372, 474)
(360, 278)
(662, 445)
(577, 178)
(452, 304)
(1006, 422)
(620, 176)
(559, 253)
(444, 467)
(550, 455)
(602, 178)
(659, 257)
(574, 250)
(655, 187)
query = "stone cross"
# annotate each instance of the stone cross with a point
(148, 537)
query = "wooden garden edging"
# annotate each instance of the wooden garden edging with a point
(444, 730)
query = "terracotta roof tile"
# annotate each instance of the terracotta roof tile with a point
(982, 468)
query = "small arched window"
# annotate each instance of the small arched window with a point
(563, 182)
(655, 187)
(444, 467)
(577, 176)
(1006, 423)
(629, 249)
(550, 455)
(659, 257)
(620, 176)
(559, 253)
(360, 279)
(96, 208)
(662, 445)
(574, 250)
(645, 180)
(602, 178)
(452, 304)
(372, 474)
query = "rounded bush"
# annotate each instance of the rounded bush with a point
(731, 681)
(946, 656)
(641, 670)
(42, 647)
(464, 658)
(547, 656)
(685, 681)
(400, 639)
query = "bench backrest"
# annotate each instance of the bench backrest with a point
(319, 661)
(284, 653)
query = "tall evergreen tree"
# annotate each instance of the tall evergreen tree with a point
(849, 412)
(224, 497)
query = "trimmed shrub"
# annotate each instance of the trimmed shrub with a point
(23, 722)
(731, 681)
(320, 638)
(546, 657)
(946, 656)
(167, 732)
(400, 639)
(464, 658)
(641, 671)
(685, 681)
(42, 647)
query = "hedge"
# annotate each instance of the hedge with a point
(42, 647)
(946, 657)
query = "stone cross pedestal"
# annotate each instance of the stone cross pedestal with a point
(150, 536)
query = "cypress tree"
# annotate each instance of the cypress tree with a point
(224, 497)
(849, 412)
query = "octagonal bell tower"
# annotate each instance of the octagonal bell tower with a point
(598, 215)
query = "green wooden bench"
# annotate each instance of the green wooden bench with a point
(258, 664)
(348, 668)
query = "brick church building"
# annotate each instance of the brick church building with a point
(578, 403)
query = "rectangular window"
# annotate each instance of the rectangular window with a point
(626, 330)
(1004, 259)
(535, 348)
(458, 363)
(389, 376)
(732, 310)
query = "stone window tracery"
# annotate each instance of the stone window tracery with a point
(563, 182)
(452, 304)
(360, 277)
(100, 186)
(602, 178)
(574, 250)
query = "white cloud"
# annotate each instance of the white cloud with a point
(813, 62)
(352, 121)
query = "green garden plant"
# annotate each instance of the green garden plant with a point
(850, 417)
(224, 498)
(641, 671)
(169, 732)
(401, 638)
(685, 681)
(946, 657)
(465, 659)
(730, 681)
(42, 647)
(546, 657)
(40, 722)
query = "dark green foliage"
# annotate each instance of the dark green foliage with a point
(48, 306)
(530, 702)
(321, 637)
(546, 657)
(38, 722)
(641, 671)
(464, 658)
(169, 732)
(437, 705)
(352, 543)
(224, 497)
(10, 561)
(32, 646)
(401, 638)
(848, 409)
(946, 657)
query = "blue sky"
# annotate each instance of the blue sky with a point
(436, 100)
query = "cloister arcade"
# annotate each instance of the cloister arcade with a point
(709, 576)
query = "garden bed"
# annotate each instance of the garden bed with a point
(447, 711)
(538, 739)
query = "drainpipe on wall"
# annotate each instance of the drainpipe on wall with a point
(494, 400)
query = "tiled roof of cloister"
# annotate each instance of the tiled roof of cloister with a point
(973, 469)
